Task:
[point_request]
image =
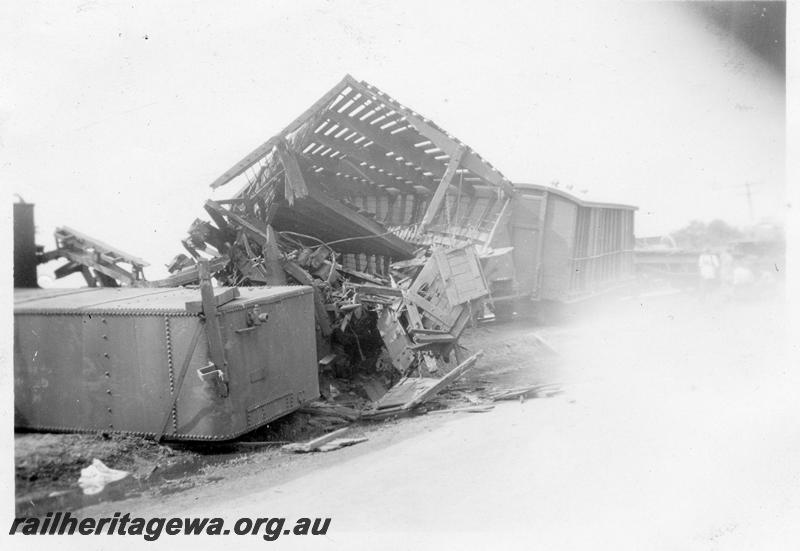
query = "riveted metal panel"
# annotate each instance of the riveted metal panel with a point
(112, 361)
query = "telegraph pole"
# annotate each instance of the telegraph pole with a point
(748, 192)
(749, 201)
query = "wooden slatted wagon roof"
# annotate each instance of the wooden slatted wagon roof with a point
(358, 135)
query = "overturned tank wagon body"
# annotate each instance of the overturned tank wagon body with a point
(162, 362)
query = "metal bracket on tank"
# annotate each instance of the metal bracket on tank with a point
(214, 378)
(215, 347)
(254, 318)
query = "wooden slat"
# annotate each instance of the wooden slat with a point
(88, 260)
(216, 350)
(377, 179)
(448, 145)
(432, 390)
(196, 306)
(373, 155)
(295, 184)
(66, 233)
(441, 191)
(251, 158)
(257, 233)
(391, 142)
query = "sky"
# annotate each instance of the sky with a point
(116, 116)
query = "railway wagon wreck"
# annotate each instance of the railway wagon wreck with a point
(564, 248)
(395, 234)
(172, 363)
(404, 232)
(377, 182)
(378, 209)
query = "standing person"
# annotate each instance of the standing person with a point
(708, 263)
(726, 268)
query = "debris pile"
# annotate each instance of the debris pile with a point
(394, 223)
(377, 322)
(100, 264)
(387, 217)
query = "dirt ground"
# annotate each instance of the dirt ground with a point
(48, 465)
(662, 389)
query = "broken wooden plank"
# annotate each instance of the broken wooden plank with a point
(423, 331)
(468, 409)
(341, 443)
(314, 444)
(412, 263)
(396, 341)
(446, 338)
(387, 413)
(323, 320)
(361, 275)
(224, 297)
(325, 409)
(435, 313)
(257, 233)
(91, 281)
(304, 278)
(328, 360)
(275, 274)
(405, 392)
(374, 389)
(298, 273)
(441, 191)
(91, 260)
(67, 269)
(66, 235)
(216, 348)
(191, 275)
(514, 393)
(327, 422)
(378, 290)
(253, 157)
(294, 183)
(440, 384)
(258, 444)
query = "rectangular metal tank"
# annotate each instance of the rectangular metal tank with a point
(136, 360)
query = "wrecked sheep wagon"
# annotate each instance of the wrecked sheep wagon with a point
(377, 182)
(148, 362)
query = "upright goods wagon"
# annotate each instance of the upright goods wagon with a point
(564, 248)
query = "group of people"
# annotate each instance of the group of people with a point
(722, 270)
